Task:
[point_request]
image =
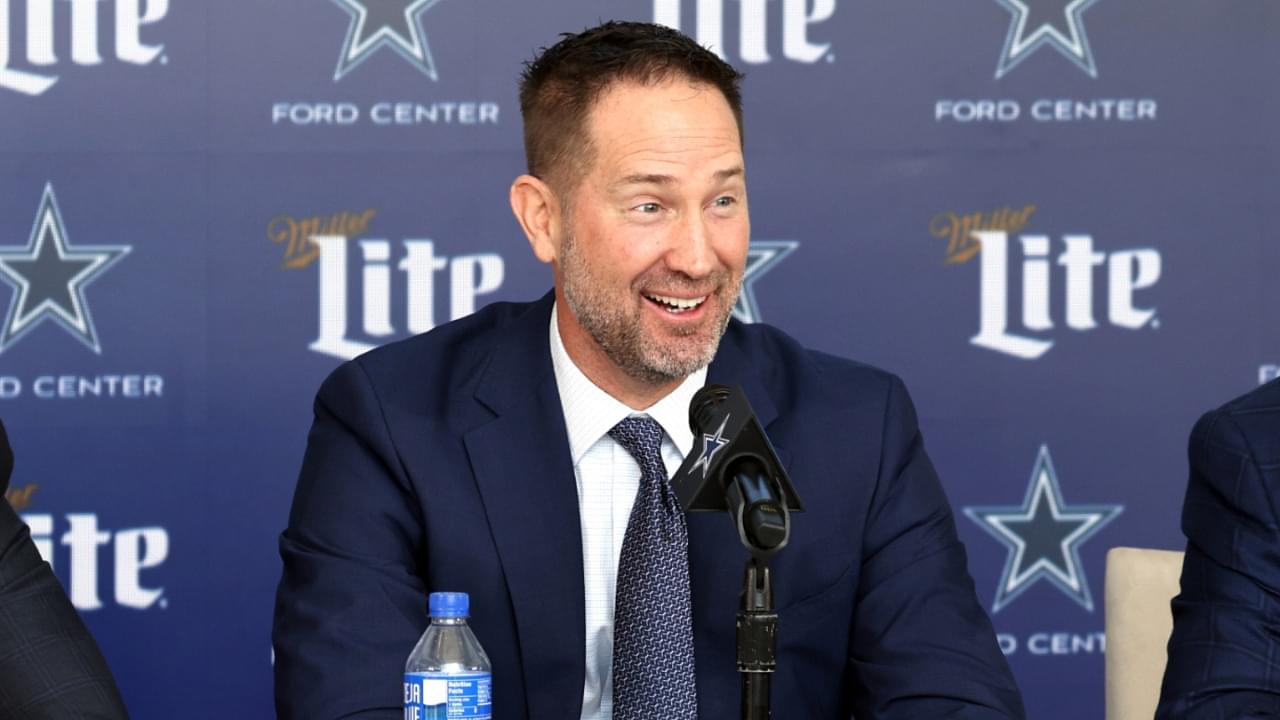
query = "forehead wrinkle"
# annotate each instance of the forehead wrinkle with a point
(642, 140)
(636, 162)
(735, 171)
(630, 120)
(665, 143)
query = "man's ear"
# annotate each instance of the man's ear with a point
(538, 211)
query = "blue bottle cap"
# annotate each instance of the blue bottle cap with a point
(449, 604)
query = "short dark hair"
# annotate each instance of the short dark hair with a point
(559, 87)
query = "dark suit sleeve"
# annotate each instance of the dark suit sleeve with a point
(922, 645)
(351, 602)
(50, 666)
(1224, 653)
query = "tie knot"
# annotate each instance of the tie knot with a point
(642, 438)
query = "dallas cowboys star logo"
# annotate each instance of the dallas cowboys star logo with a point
(1033, 26)
(711, 444)
(385, 23)
(49, 277)
(1043, 537)
(762, 256)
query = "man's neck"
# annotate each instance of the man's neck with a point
(592, 360)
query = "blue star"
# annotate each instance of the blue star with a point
(762, 256)
(1022, 40)
(711, 444)
(50, 277)
(1043, 537)
(393, 23)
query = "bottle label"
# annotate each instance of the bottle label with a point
(445, 696)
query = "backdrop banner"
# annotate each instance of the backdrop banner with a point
(1053, 219)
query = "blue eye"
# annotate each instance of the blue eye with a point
(725, 201)
(648, 208)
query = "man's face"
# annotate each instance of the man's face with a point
(655, 245)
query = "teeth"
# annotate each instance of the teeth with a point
(677, 304)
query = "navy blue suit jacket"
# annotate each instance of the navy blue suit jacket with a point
(1224, 653)
(50, 666)
(442, 463)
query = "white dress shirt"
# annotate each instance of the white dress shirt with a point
(608, 479)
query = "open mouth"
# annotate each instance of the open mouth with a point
(675, 305)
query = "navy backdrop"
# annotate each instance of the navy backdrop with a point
(1053, 218)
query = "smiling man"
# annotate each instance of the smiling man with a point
(647, 230)
(522, 455)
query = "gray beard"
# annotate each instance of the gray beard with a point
(622, 336)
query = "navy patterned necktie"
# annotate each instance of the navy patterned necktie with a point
(653, 618)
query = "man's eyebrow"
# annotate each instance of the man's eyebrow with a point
(643, 179)
(665, 180)
(729, 173)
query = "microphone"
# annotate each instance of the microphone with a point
(733, 467)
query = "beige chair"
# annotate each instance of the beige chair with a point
(1140, 584)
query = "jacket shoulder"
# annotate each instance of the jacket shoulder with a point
(1264, 398)
(809, 380)
(1248, 425)
(429, 370)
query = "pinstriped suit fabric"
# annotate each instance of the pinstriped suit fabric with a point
(1224, 653)
(50, 666)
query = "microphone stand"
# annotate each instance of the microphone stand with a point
(757, 640)
(759, 506)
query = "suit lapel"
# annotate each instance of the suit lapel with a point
(525, 476)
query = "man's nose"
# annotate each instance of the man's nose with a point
(691, 251)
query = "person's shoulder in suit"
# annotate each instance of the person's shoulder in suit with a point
(1249, 424)
(815, 382)
(1218, 662)
(432, 371)
(50, 666)
(1230, 510)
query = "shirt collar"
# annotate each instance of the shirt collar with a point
(589, 412)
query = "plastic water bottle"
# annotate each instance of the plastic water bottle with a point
(447, 675)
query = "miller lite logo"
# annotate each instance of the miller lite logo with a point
(411, 269)
(753, 27)
(986, 235)
(132, 550)
(67, 31)
(1127, 272)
